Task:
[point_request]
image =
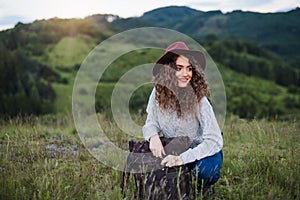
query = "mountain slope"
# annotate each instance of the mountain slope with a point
(277, 32)
(39, 62)
(169, 16)
(49, 53)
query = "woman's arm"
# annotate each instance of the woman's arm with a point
(152, 128)
(212, 137)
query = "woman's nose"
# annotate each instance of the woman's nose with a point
(184, 72)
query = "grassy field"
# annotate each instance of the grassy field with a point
(43, 158)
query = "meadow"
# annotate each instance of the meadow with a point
(44, 158)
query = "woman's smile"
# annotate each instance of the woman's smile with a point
(184, 80)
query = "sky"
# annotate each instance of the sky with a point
(26, 11)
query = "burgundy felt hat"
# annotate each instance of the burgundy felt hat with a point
(180, 48)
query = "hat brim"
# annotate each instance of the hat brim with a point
(197, 55)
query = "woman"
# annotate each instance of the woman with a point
(178, 106)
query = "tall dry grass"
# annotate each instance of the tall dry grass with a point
(43, 158)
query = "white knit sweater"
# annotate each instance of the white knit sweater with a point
(202, 128)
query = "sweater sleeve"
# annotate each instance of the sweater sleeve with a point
(212, 137)
(151, 126)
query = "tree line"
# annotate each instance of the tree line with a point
(258, 83)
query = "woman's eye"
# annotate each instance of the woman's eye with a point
(177, 68)
(190, 68)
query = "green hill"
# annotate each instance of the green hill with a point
(248, 58)
(277, 32)
(49, 51)
(39, 61)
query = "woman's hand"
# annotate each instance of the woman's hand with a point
(171, 161)
(156, 147)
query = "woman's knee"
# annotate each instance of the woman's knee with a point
(208, 169)
(206, 172)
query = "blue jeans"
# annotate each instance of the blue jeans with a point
(207, 170)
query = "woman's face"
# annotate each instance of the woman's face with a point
(183, 71)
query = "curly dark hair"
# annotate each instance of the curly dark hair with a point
(173, 98)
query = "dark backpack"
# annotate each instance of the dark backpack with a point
(154, 181)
